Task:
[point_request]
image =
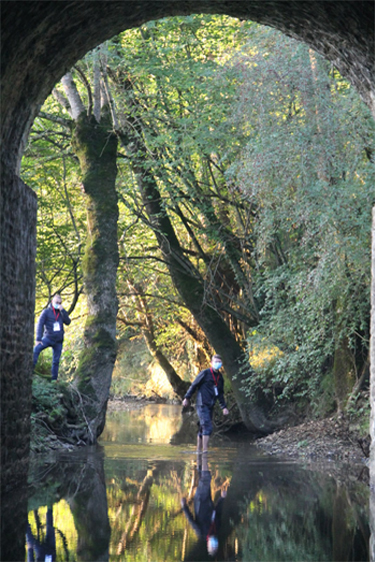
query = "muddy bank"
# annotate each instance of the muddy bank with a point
(330, 438)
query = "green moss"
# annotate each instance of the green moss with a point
(52, 407)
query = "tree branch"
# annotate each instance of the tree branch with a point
(75, 101)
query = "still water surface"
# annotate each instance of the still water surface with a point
(137, 497)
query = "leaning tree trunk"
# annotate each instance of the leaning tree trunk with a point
(190, 286)
(96, 147)
(178, 385)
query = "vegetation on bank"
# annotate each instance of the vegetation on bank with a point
(245, 186)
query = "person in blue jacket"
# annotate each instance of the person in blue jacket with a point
(210, 387)
(50, 333)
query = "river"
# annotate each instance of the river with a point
(140, 496)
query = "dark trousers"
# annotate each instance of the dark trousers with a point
(43, 550)
(56, 348)
(205, 419)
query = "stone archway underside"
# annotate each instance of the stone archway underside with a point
(40, 41)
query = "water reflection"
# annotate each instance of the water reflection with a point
(123, 501)
(206, 520)
(74, 484)
(155, 423)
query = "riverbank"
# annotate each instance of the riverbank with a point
(329, 438)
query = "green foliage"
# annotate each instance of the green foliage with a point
(358, 411)
(46, 398)
(306, 170)
(48, 412)
(261, 157)
(130, 374)
(44, 364)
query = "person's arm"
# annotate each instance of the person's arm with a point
(190, 518)
(221, 395)
(65, 317)
(40, 326)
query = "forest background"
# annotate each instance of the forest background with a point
(248, 158)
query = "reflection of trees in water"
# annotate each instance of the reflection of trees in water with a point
(82, 484)
(144, 505)
(291, 514)
(151, 423)
(137, 512)
(272, 511)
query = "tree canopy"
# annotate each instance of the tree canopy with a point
(245, 186)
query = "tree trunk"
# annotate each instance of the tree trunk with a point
(178, 385)
(190, 285)
(96, 147)
(189, 282)
(90, 512)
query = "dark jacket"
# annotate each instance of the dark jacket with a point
(205, 384)
(207, 516)
(46, 322)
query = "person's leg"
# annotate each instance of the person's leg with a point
(50, 534)
(38, 349)
(205, 440)
(199, 436)
(57, 349)
(206, 424)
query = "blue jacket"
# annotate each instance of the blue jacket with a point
(46, 323)
(205, 384)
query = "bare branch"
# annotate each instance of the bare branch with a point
(88, 88)
(61, 99)
(55, 118)
(111, 101)
(96, 88)
(75, 101)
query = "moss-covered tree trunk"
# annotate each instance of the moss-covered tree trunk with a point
(96, 147)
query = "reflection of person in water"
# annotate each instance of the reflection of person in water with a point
(206, 522)
(44, 550)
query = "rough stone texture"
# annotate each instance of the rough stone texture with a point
(40, 41)
(18, 208)
(372, 394)
(17, 274)
(13, 523)
(372, 342)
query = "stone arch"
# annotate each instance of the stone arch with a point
(40, 41)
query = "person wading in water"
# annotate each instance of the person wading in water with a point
(209, 385)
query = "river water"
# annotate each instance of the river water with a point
(140, 496)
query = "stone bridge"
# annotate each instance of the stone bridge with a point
(40, 41)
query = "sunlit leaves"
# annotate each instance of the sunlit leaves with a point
(306, 168)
